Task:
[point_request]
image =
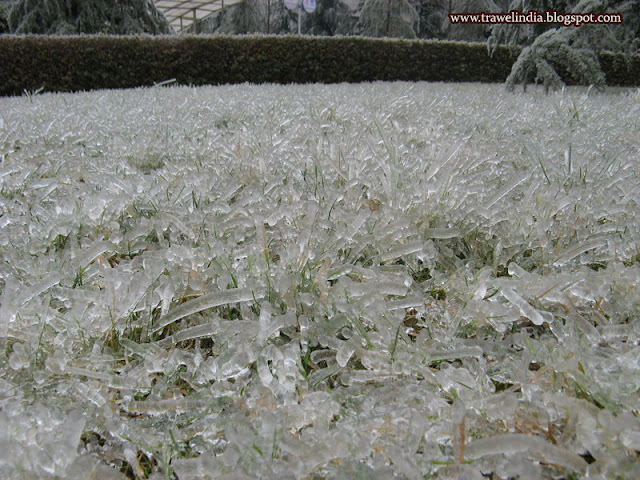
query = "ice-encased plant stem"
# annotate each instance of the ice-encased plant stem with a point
(234, 295)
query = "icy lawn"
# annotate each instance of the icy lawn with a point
(356, 281)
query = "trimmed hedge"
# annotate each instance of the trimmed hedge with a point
(93, 62)
(620, 70)
(75, 63)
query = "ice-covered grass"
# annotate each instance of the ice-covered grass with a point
(355, 281)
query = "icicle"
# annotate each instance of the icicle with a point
(352, 377)
(181, 225)
(93, 252)
(437, 166)
(157, 407)
(37, 288)
(90, 394)
(441, 233)
(344, 353)
(377, 288)
(70, 439)
(264, 372)
(516, 443)
(323, 374)
(524, 306)
(505, 190)
(328, 356)
(402, 250)
(270, 326)
(516, 270)
(409, 302)
(234, 295)
(111, 381)
(11, 302)
(572, 252)
(462, 352)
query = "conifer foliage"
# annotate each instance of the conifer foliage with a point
(66, 17)
(388, 18)
(5, 8)
(564, 53)
(556, 50)
(331, 17)
(255, 16)
(4, 25)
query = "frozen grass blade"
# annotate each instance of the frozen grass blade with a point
(199, 331)
(525, 307)
(576, 250)
(378, 288)
(181, 225)
(234, 295)
(464, 352)
(112, 381)
(37, 288)
(441, 233)
(157, 407)
(511, 444)
(402, 250)
(505, 190)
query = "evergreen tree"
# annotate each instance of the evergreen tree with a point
(433, 18)
(256, 16)
(388, 18)
(4, 24)
(524, 34)
(569, 50)
(5, 8)
(618, 38)
(469, 32)
(550, 51)
(67, 17)
(331, 17)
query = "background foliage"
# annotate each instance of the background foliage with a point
(552, 55)
(68, 17)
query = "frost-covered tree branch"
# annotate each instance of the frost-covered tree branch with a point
(66, 17)
(565, 52)
(388, 18)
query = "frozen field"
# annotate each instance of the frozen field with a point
(305, 282)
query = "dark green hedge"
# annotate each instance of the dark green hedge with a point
(96, 61)
(621, 70)
(91, 62)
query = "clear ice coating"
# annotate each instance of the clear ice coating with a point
(351, 281)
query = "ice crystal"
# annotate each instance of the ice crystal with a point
(349, 281)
